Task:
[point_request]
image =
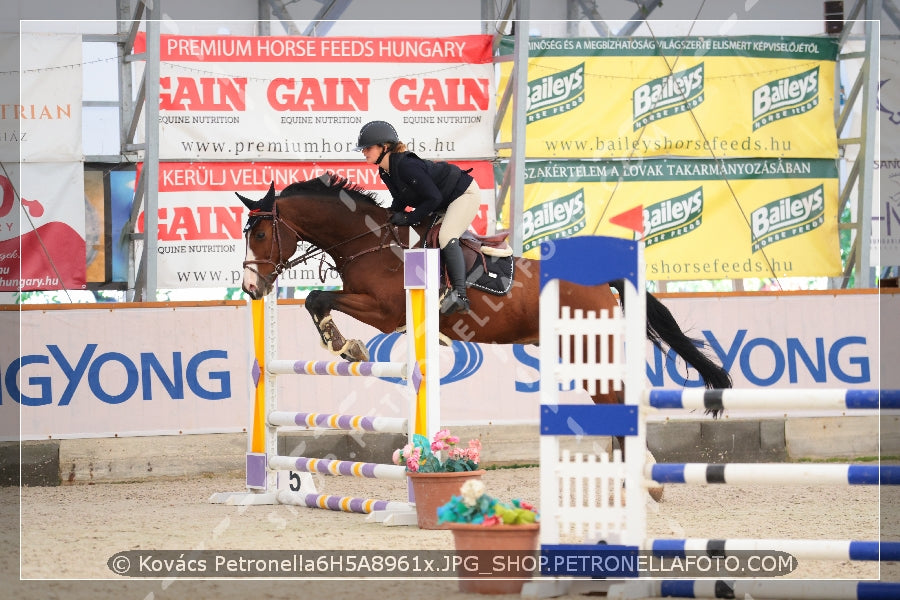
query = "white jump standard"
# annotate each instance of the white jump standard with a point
(582, 497)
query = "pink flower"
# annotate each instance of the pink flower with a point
(412, 461)
(473, 452)
(444, 439)
(396, 457)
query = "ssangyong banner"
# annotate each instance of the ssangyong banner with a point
(305, 98)
(678, 96)
(200, 228)
(190, 370)
(703, 219)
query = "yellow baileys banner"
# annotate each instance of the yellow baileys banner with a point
(710, 97)
(703, 218)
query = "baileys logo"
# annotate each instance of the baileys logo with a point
(674, 217)
(555, 94)
(558, 218)
(787, 217)
(668, 96)
(786, 97)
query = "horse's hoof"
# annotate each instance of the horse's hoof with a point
(655, 491)
(355, 351)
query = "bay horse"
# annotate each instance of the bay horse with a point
(340, 220)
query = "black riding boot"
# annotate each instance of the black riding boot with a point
(455, 300)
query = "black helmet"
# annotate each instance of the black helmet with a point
(375, 133)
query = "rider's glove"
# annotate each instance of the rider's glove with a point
(398, 218)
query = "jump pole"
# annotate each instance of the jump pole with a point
(763, 399)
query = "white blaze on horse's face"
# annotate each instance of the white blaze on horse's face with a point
(252, 282)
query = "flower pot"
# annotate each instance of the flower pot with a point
(497, 559)
(431, 490)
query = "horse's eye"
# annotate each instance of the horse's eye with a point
(260, 235)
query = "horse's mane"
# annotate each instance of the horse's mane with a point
(330, 183)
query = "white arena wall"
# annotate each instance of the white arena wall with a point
(171, 369)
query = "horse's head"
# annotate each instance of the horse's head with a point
(270, 244)
(329, 213)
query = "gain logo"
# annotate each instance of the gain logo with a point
(674, 217)
(668, 96)
(554, 219)
(555, 94)
(785, 97)
(787, 217)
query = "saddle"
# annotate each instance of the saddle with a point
(488, 258)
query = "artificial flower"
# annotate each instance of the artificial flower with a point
(420, 455)
(473, 505)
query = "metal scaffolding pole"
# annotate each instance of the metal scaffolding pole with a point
(517, 159)
(151, 152)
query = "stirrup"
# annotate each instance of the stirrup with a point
(453, 302)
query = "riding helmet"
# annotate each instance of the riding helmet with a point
(376, 133)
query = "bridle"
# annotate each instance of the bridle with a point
(278, 267)
(389, 239)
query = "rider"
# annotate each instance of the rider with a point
(427, 187)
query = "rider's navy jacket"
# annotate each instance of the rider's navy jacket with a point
(422, 184)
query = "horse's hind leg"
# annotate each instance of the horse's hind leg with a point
(618, 397)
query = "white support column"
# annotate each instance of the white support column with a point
(549, 394)
(635, 383)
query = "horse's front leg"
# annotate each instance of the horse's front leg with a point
(362, 307)
(319, 305)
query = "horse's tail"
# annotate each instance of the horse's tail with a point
(662, 328)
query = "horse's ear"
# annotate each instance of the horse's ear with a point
(251, 204)
(269, 200)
